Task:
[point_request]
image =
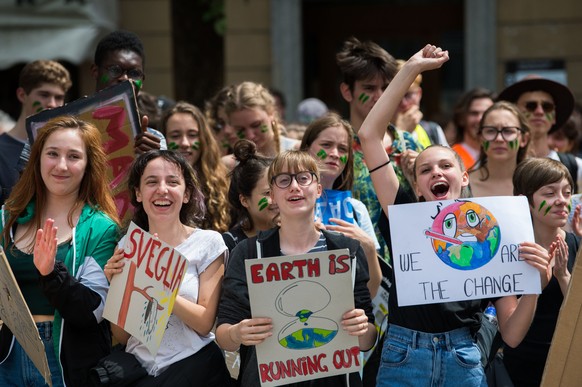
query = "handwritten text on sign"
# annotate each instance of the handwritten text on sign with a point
(305, 296)
(460, 250)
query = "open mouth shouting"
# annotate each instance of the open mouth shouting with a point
(440, 189)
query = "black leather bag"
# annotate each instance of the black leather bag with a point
(117, 369)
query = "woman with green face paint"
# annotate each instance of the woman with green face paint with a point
(329, 140)
(251, 208)
(547, 184)
(504, 136)
(188, 133)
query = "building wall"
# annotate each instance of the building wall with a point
(248, 41)
(540, 29)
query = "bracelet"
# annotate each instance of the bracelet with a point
(379, 166)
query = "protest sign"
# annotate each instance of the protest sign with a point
(461, 250)
(141, 297)
(334, 204)
(114, 112)
(15, 314)
(306, 296)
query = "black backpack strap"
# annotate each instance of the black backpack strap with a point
(569, 160)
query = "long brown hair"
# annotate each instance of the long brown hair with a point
(344, 181)
(210, 169)
(94, 189)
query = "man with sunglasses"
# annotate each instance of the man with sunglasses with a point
(546, 105)
(120, 56)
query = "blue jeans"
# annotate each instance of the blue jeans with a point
(418, 359)
(19, 370)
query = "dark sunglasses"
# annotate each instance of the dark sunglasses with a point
(547, 106)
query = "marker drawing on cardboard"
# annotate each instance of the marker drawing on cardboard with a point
(114, 112)
(460, 250)
(15, 314)
(305, 296)
(141, 298)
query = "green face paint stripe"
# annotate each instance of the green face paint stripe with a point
(486, 145)
(225, 145)
(196, 145)
(36, 103)
(363, 97)
(344, 159)
(570, 207)
(104, 78)
(542, 204)
(263, 203)
(138, 84)
(240, 134)
(172, 146)
(322, 154)
(513, 144)
(547, 210)
(264, 128)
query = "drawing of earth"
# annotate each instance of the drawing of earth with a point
(465, 235)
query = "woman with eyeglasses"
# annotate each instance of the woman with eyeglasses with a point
(504, 135)
(295, 186)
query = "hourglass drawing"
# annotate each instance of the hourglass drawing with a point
(307, 330)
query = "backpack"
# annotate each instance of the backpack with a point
(430, 127)
(569, 160)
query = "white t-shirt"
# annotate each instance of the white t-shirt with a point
(180, 341)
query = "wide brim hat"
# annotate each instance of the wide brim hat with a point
(563, 97)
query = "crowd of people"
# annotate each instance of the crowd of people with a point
(231, 181)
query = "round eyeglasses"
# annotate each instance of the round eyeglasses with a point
(284, 180)
(115, 71)
(508, 133)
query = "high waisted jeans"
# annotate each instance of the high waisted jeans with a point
(418, 359)
(19, 370)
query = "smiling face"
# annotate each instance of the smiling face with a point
(439, 175)
(162, 190)
(551, 203)
(254, 124)
(63, 162)
(183, 135)
(331, 149)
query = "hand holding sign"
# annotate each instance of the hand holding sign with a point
(251, 331)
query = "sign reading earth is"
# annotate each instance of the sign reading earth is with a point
(459, 250)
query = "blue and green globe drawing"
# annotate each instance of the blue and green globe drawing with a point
(465, 235)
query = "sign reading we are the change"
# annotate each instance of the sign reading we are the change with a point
(141, 297)
(15, 315)
(460, 250)
(306, 296)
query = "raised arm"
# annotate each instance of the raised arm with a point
(374, 126)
